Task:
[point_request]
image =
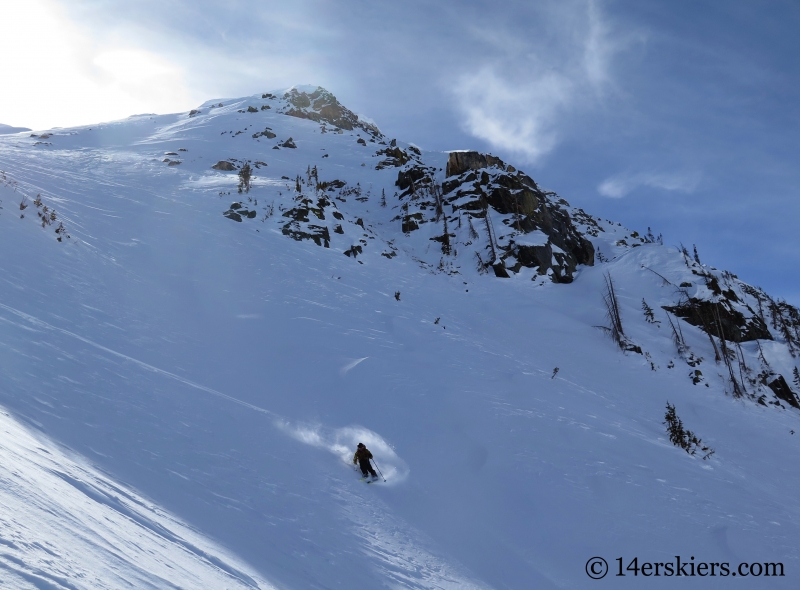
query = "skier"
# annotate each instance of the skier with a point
(362, 457)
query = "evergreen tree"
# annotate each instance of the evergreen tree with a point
(681, 437)
(649, 316)
(245, 173)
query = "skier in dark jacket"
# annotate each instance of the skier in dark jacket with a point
(362, 457)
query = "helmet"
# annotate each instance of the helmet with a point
(360, 444)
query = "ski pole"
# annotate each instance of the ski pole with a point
(379, 469)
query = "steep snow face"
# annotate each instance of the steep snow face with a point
(65, 525)
(222, 353)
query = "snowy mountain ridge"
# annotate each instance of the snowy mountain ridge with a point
(213, 307)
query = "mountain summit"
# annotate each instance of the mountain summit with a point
(204, 313)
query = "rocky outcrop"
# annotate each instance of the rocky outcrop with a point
(323, 107)
(237, 212)
(303, 220)
(783, 392)
(394, 158)
(460, 162)
(722, 319)
(482, 183)
(224, 165)
(266, 133)
(481, 191)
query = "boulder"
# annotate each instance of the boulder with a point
(224, 165)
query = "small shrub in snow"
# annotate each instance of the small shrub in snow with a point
(681, 437)
(648, 313)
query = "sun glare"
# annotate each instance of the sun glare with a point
(55, 73)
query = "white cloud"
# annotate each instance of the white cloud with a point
(620, 185)
(514, 117)
(520, 100)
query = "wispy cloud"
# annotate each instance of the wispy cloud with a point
(516, 117)
(621, 185)
(521, 98)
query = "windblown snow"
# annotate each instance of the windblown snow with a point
(186, 369)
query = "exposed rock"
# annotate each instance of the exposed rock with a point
(331, 185)
(237, 212)
(266, 133)
(411, 222)
(460, 162)
(395, 157)
(323, 107)
(413, 175)
(361, 141)
(252, 110)
(733, 324)
(480, 183)
(299, 227)
(224, 165)
(500, 271)
(289, 143)
(783, 392)
(194, 112)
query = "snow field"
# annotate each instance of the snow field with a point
(224, 372)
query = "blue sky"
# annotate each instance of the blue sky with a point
(684, 117)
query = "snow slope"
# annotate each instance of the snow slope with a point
(7, 129)
(184, 391)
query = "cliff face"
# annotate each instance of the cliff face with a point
(537, 230)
